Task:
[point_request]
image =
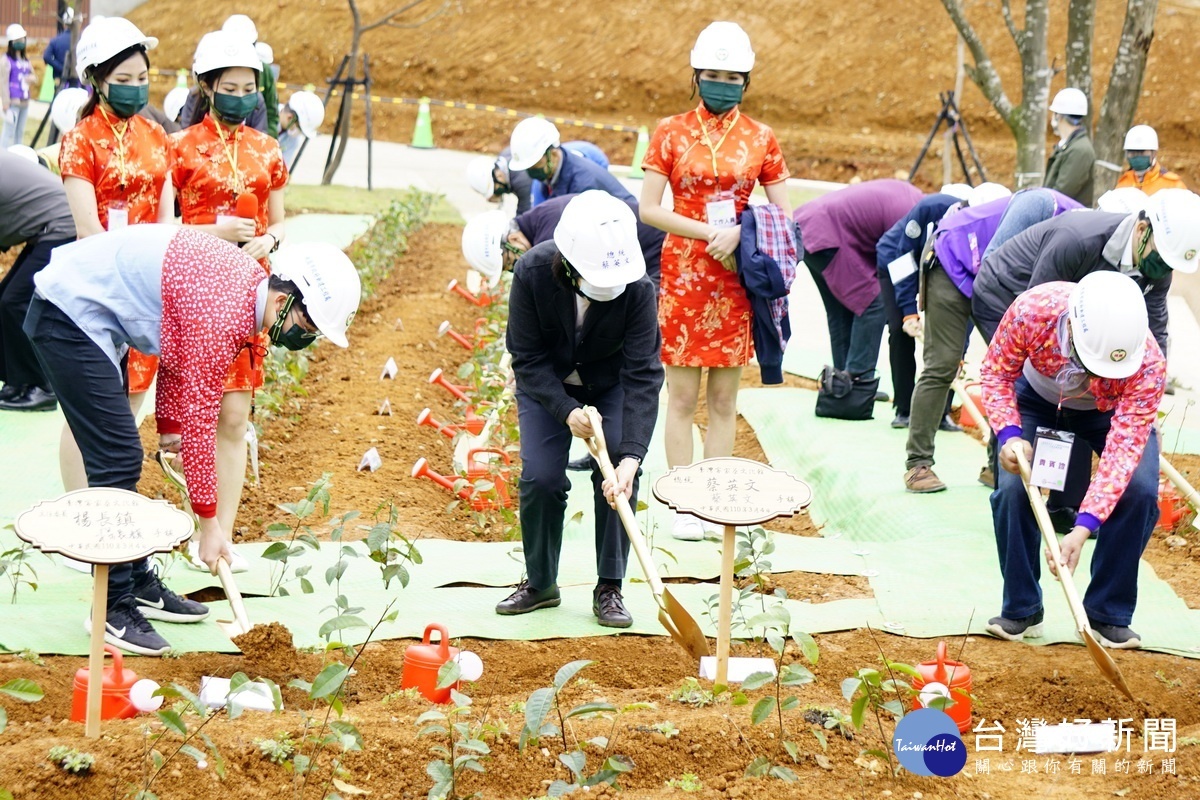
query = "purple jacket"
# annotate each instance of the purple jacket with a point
(852, 220)
(962, 237)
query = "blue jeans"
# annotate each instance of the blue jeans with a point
(14, 125)
(545, 449)
(854, 338)
(1112, 594)
(1027, 208)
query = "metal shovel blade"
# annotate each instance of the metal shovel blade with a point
(686, 632)
(1108, 667)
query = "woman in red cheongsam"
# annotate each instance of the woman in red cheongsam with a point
(712, 156)
(230, 181)
(115, 166)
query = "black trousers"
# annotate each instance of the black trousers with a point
(902, 348)
(545, 449)
(94, 397)
(18, 364)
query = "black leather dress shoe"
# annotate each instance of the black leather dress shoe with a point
(526, 599)
(583, 464)
(948, 424)
(609, 607)
(34, 398)
(11, 390)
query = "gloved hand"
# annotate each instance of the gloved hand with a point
(912, 325)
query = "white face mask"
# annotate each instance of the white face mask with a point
(596, 294)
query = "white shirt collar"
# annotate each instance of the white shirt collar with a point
(260, 304)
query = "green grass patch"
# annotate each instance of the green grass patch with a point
(300, 199)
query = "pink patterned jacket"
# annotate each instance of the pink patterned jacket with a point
(1029, 330)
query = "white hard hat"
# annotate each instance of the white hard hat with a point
(960, 190)
(309, 111)
(224, 50)
(241, 26)
(104, 38)
(480, 177)
(174, 102)
(15, 31)
(24, 151)
(1109, 323)
(597, 234)
(64, 110)
(723, 45)
(328, 283)
(1126, 200)
(482, 243)
(986, 193)
(530, 140)
(266, 53)
(1070, 102)
(1141, 137)
(1174, 216)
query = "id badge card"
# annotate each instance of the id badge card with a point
(118, 215)
(1051, 458)
(721, 210)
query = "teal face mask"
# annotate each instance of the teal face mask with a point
(1154, 267)
(127, 99)
(720, 97)
(233, 109)
(1140, 163)
(18, 45)
(295, 337)
(1152, 264)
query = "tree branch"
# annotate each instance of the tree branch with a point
(442, 10)
(1017, 34)
(983, 74)
(387, 19)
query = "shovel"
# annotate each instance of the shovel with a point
(671, 613)
(241, 622)
(1103, 660)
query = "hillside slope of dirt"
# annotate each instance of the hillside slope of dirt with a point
(850, 87)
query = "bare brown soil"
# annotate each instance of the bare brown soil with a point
(851, 88)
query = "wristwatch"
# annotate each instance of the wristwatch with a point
(274, 239)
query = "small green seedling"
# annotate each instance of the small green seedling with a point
(687, 782)
(71, 760)
(689, 692)
(278, 750)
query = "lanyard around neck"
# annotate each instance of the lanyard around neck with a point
(708, 142)
(122, 166)
(231, 156)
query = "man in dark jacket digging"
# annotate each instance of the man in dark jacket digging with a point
(583, 331)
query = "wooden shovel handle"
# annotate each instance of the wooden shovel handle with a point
(1190, 495)
(1038, 503)
(596, 446)
(235, 596)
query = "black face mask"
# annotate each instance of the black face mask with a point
(295, 337)
(540, 171)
